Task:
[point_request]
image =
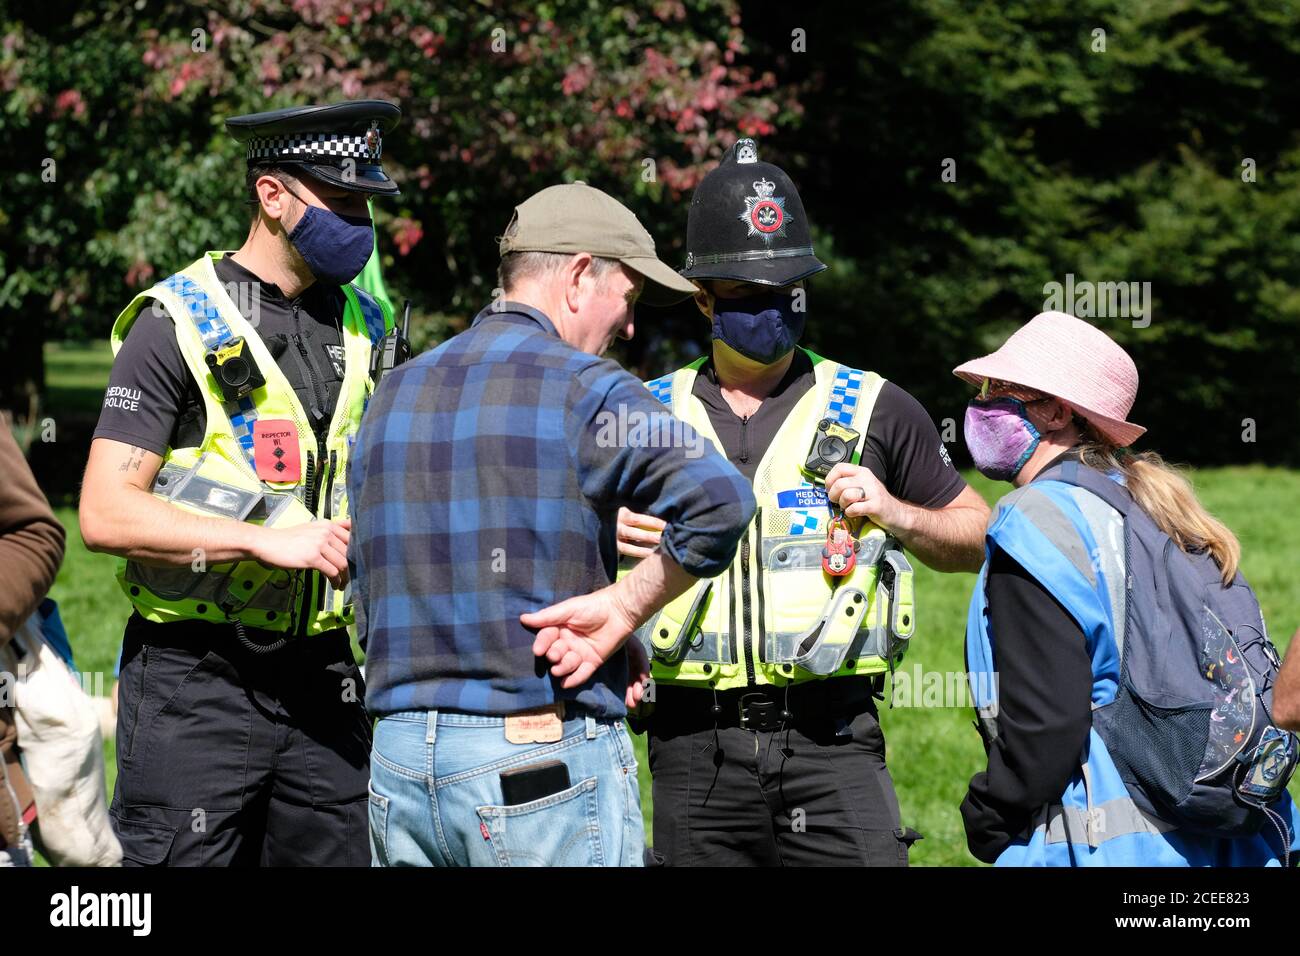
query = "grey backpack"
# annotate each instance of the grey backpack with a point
(1191, 729)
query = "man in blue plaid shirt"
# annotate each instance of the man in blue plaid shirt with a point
(485, 485)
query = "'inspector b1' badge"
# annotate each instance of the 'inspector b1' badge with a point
(275, 450)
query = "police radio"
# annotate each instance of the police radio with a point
(832, 444)
(234, 368)
(393, 349)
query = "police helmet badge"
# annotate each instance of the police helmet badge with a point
(764, 213)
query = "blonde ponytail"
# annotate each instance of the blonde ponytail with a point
(1164, 493)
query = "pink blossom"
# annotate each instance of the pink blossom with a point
(407, 233)
(70, 101)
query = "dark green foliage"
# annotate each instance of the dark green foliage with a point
(1115, 166)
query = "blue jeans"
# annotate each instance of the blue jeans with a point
(435, 795)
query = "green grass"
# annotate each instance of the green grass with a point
(932, 753)
(75, 376)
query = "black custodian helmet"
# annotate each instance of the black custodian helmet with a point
(747, 223)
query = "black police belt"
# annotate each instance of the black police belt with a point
(753, 255)
(764, 707)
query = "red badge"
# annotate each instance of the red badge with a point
(275, 450)
(766, 216)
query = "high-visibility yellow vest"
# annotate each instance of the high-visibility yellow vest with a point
(219, 477)
(774, 616)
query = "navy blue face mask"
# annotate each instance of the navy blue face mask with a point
(763, 327)
(336, 248)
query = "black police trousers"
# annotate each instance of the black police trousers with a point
(810, 790)
(226, 757)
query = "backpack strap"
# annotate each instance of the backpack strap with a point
(1111, 492)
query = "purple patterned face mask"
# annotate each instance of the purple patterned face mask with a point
(999, 436)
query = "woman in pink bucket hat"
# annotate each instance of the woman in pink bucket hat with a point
(1101, 577)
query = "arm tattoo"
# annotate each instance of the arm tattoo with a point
(133, 461)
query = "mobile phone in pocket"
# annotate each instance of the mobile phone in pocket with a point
(533, 782)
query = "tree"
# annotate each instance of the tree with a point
(498, 102)
(1113, 157)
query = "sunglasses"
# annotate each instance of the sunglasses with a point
(1010, 390)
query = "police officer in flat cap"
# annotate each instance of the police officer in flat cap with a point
(764, 740)
(217, 474)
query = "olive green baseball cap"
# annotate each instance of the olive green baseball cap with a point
(575, 217)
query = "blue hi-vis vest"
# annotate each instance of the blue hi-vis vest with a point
(1072, 542)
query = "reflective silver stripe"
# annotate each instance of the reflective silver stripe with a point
(214, 496)
(1047, 517)
(172, 583)
(785, 554)
(804, 552)
(752, 255)
(1094, 838)
(336, 498)
(782, 646)
(187, 486)
(1114, 818)
(988, 718)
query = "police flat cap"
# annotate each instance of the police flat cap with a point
(340, 143)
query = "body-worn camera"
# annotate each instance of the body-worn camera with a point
(832, 444)
(234, 368)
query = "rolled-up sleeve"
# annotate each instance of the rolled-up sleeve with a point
(631, 452)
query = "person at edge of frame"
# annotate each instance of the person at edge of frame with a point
(1065, 605)
(31, 551)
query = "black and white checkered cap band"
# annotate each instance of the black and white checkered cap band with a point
(326, 146)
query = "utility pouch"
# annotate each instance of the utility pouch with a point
(896, 576)
(672, 631)
(823, 648)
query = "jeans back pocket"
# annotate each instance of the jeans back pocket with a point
(377, 811)
(562, 829)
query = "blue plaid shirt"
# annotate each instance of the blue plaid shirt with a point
(485, 482)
